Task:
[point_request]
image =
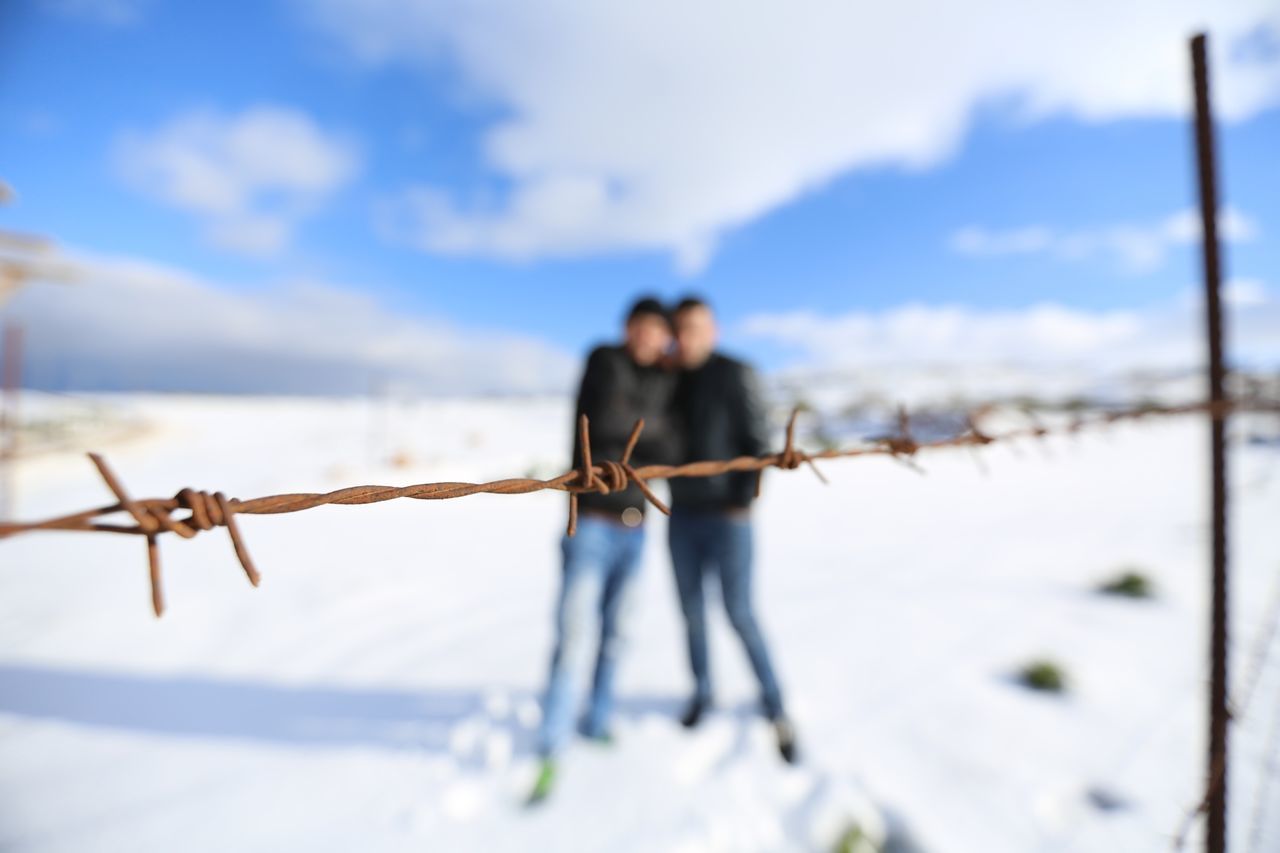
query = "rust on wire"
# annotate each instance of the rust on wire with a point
(153, 517)
(788, 460)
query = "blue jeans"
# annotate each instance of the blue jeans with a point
(719, 543)
(600, 563)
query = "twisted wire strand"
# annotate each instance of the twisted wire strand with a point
(153, 517)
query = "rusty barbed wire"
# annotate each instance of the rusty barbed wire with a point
(1189, 820)
(1270, 764)
(1238, 705)
(1261, 650)
(153, 517)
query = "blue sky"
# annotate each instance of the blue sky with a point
(514, 173)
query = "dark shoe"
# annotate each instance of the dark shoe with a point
(693, 713)
(786, 739)
(595, 732)
(599, 737)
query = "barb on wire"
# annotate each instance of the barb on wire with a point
(902, 447)
(1038, 432)
(153, 517)
(618, 475)
(1189, 820)
(790, 458)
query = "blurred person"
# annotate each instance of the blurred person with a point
(722, 414)
(620, 385)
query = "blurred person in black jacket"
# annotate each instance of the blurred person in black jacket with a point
(620, 385)
(722, 416)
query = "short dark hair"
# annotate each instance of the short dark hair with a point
(648, 306)
(690, 301)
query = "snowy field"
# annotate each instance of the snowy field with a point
(379, 691)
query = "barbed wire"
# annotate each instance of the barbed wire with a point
(1237, 710)
(153, 517)
(1270, 764)
(1257, 661)
(1214, 781)
(1217, 776)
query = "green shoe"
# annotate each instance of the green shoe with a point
(546, 779)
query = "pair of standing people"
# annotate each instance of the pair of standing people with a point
(697, 404)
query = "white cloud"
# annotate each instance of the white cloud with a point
(663, 125)
(1164, 336)
(249, 177)
(1136, 247)
(129, 324)
(1245, 293)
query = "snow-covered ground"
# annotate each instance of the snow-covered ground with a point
(379, 691)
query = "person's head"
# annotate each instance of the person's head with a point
(648, 331)
(696, 331)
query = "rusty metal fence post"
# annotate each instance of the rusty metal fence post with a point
(1216, 804)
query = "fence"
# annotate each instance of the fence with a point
(153, 517)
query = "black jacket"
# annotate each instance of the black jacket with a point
(723, 415)
(615, 393)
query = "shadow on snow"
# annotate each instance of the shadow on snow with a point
(202, 707)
